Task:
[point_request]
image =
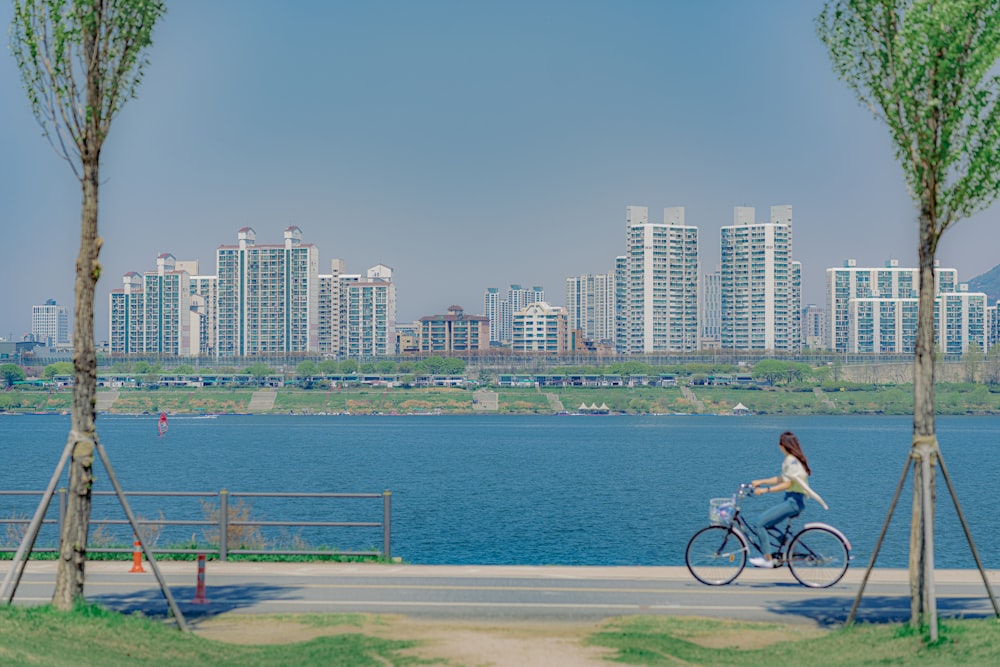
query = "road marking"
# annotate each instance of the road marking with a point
(732, 590)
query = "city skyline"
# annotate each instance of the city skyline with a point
(466, 146)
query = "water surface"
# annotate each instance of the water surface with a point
(615, 490)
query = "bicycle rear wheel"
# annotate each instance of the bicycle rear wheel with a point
(817, 557)
(716, 555)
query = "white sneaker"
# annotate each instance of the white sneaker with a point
(760, 561)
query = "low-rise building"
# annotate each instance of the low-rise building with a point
(539, 327)
(454, 332)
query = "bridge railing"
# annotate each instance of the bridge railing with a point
(230, 523)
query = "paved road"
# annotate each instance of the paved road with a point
(571, 594)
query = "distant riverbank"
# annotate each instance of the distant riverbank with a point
(952, 399)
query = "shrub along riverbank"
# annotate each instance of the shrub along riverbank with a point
(851, 399)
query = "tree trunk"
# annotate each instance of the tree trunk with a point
(924, 438)
(83, 434)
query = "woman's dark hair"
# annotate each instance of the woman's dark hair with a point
(792, 446)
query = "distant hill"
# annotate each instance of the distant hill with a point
(989, 283)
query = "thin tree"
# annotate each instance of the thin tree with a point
(927, 69)
(993, 364)
(972, 361)
(80, 61)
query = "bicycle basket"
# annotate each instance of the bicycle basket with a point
(721, 510)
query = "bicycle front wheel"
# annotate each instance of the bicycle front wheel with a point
(817, 557)
(716, 555)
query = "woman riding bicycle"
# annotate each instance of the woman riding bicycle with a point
(794, 482)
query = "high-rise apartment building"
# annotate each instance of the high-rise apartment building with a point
(960, 320)
(882, 325)
(519, 297)
(167, 308)
(151, 313)
(265, 299)
(992, 326)
(331, 308)
(126, 325)
(590, 305)
(204, 310)
(814, 327)
(890, 282)
(539, 327)
(889, 325)
(50, 324)
(268, 296)
(711, 309)
(621, 303)
(499, 308)
(370, 314)
(760, 283)
(497, 311)
(661, 283)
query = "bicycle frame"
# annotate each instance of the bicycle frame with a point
(780, 537)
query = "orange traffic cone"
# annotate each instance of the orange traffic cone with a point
(137, 557)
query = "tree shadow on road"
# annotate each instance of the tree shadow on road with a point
(833, 611)
(219, 600)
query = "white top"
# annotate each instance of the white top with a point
(792, 471)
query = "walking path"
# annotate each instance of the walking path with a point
(262, 401)
(553, 400)
(826, 401)
(689, 395)
(105, 399)
(485, 400)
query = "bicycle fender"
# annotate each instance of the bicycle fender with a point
(820, 524)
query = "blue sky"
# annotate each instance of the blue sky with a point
(465, 144)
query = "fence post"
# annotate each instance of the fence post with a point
(62, 509)
(223, 524)
(386, 524)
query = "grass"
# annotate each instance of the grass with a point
(658, 640)
(90, 635)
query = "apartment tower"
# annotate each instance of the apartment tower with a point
(662, 268)
(892, 284)
(761, 285)
(268, 296)
(590, 305)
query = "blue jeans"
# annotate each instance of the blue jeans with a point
(791, 505)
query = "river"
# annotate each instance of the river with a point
(581, 490)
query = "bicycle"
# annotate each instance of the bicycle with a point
(817, 555)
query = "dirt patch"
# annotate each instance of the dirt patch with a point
(472, 644)
(263, 630)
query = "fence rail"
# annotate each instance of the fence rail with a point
(229, 528)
